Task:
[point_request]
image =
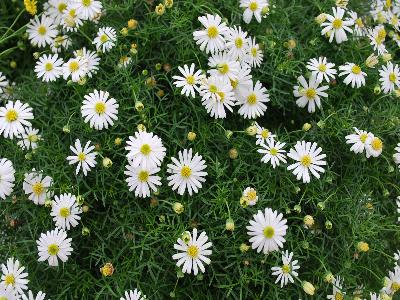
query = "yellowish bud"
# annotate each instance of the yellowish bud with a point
(321, 18)
(371, 61)
(230, 225)
(308, 288)
(233, 153)
(178, 208)
(362, 247)
(107, 163)
(160, 9)
(107, 269)
(308, 221)
(306, 126)
(132, 24)
(251, 130)
(191, 136)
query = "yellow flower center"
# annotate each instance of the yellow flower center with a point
(253, 51)
(33, 138)
(337, 23)
(382, 34)
(81, 156)
(286, 269)
(252, 99)
(103, 38)
(193, 251)
(11, 115)
(212, 32)
(311, 93)
(234, 83)
(395, 286)
(322, 68)
(145, 149)
(273, 151)
(10, 279)
(239, 42)
(265, 133)
(252, 195)
(53, 249)
(306, 160)
(359, 22)
(86, 2)
(269, 232)
(72, 13)
(253, 6)
(223, 68)
(64, 212)
(356, 69)
(376, 144)
(363, 137)
(339, 296)
(186, 171)
(37, 188)
(62, 7)
(100, 108)
(73, 66)
(221, 96)
(48, 66)
(42, 30)
(213, 88)
(143, 176)
(3, 298)
(190, 79)
(388, 3)
(392, 77)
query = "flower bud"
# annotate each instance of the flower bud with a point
(329, 277)
(66, 129)
(233, 153)
(185, 237)
(328, 224)
(107, 163)
(139, 106)
(362, 247)
(168, 3)
(80, 199)
(107, 269)
(141, 127)
(230, 225)
(297, 208)
(124, 31)
(85, 208)
(132, 24)
(306, 126)
(228, 134)
(191, 136)
(251, 130)
(160, 9)
(387, 57)
(321, 18)
(178, 208)
(309, 221)
(85, 231)
(117, 141)
(308, 288)
(371, 61)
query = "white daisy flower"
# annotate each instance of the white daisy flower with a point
(287, 271)
(359, 140)
(65, 211)
(187, 172)
(309, 159)
(273, 152)
(254, 55)
(54, 245)
(37, 187)
(91, 58)
(76, 67)
(193, 252)
(252, 102)
(374, 147)
(41, 31)
(267, 231)
(7, 292)
(7, 178)
(124, 61)
(322, 69)
(336, 27)
(145, 149)
(84, 157)
(252, 8)
(250, 194)
(377, 38)
(236, 43)
(87, 9)
(142, 180)
(389, 77)
(99, 110)
(310, 93)
(61, 42)
(189, 81)
(105, 39)
(359, 27)
(71, 20)
(3, 83)
(29, 138)
(212, 38)
(263, 134)
(13, 117)
(217, 94)
(396, 156)
(392, 283)
(355, 75)
(337, 289)
(393, 19)
(48, 67)
(133, 295)
(224, 66)
(55, 10)
(39, 296)
(14, 276)
(244, 81)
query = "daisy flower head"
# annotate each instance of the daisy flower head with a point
(54, 245)
(71, 20)
(267, 231)
(7, 292)
(254, 55)
(359, 140)
(29, 138)
(39, 296)
(336, 27)
(308, 159)
(87, 9)
(392, 283)
(187, 172)
(65, 211)
(250, 196)
(396, 156)
(193, 252)
(37, 187)
(322, 69)
(377, 38)
(13, 117)
(41, 31)
(244, 81)
(359, 27)
(133, 295)
(61, 42)
(76, 67)
(273, 152)
(252, 8)
(217, 95)
(189, 81)
(14, 276)
(91, 58)
(99, 110)
(48, 67)
(287, 271)
(309, 93)
(105, 39)
(374, 147)
(263, 134)
(124, 61)
(236, 42)
(212, 37)
(142, 180)
(389, 77)
(337, 288)
(355, 76)
(55, 9)
(7, 178)
(84, 157)
(252, 102)
(146, 149)
(223, 65)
